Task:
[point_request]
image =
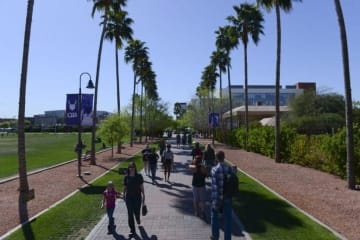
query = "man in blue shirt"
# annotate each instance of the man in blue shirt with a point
(220, 203)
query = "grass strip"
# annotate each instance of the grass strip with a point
(75, 217)
(266, 216)
(42, 150)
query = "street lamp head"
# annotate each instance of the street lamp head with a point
(90, 84)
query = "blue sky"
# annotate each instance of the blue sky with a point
(180, 37)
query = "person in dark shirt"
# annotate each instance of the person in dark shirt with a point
(198, 186)
(196, 151)
(153, 158)
(134, 195)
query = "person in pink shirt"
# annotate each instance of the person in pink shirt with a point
(110, 195)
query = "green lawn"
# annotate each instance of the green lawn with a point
(42, 150)
(266, 216)
(75, 217)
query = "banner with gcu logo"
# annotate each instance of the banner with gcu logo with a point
(72, 109)
(213, 119)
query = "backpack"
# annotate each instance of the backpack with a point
(231, 183)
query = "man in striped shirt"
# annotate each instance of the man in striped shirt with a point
(220, 203)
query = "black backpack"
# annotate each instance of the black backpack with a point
(231, 182)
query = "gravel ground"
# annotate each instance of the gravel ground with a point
(53, 185)
(322, 195)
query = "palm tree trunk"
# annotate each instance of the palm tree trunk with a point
(348, 99)
(93, 130)
(230, 98)
(246, 99)
(141, 110)
(133, 113)
(117, 79)
(24, 185)
(117, 89)
(277, 84)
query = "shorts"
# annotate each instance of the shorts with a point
(199, 194)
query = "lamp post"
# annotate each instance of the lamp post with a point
(90, 85)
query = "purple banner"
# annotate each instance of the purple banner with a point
(213, 119)
(72, 109)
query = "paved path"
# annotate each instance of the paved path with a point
(170, 215)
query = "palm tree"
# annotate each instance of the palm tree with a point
(248, 21)
(226, 40)
(103, 6)
(143, 71)
(209, 82)
(286, 6)
(118, 28)
(348, 99)
(24, 185)
(135, 52)
(218, 58)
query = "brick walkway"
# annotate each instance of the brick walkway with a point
(170, 215)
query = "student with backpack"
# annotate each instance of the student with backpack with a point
(223, 186)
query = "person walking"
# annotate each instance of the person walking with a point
(109, 198)
(134, 196)
(168, 162)
(196, 151)
(145, 153)
(153, 158)
(162, 146)
(178, 139)
(219, 202)
(209, 158)
(198, 186)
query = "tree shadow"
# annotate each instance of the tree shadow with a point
(91, 189)
(257, 210)
(24, 215)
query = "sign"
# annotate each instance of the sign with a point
(213, 119)
(72, 104)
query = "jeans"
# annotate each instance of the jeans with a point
(153, 167)
(133, 205)
(227, 213)
(110, 212)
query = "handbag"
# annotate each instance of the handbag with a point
(144, 210)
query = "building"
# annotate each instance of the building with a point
(261, 101)
(57, 117)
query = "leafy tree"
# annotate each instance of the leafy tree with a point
(286, 6)
(247, 22)
(113, 129)
(348, 99)
(313, 113)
